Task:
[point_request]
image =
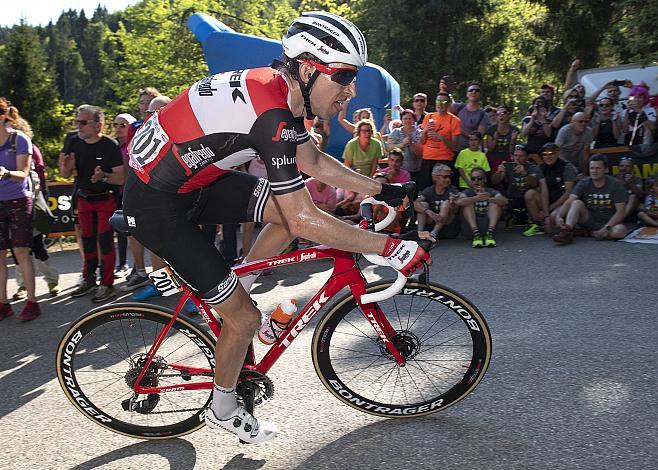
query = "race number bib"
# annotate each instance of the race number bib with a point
(147, 143)
(164, 281)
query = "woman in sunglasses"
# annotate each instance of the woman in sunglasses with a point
(607, 125)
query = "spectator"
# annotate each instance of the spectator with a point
(648, 213)
(420, 106)
(632, 185)
(521, 175)
(502, 139)
(555, 187)
(471, 115)
(481, 209)
(492, 115)
(323, 195)
(440, 138)
(640, 118)
(121, 126)
(547, 93)
(407, 138)
(597, 203)
(577, 92)
(319, 131)
(470, 158)
(612, 93)
(39, 189)
(96, 160)
(394, 171)
(363, 152)
(606, 129)
(565, 115)
(15, 210)
(537, 126)
(574, 141)
(359, 115)
(435, 205)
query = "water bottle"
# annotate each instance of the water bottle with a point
(272, 327)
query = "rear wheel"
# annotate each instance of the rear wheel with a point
(101, 356)
(443, 337)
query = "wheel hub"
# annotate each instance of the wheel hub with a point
(150, 378)
(406, 342)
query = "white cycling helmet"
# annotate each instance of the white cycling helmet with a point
(326, 36)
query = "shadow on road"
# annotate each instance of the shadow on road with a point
(180, 454)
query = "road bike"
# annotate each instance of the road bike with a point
(394, 349)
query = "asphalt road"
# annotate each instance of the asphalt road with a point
(572, 382)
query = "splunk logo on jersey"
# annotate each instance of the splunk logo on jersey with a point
(289, 135)
(283, 161)
(197, 158)
(204, 88)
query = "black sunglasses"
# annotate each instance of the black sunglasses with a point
(477, 178)
(474, 90)
(83, 122)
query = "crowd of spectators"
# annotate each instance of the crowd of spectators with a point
(474, 169)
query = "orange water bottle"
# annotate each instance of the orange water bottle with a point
(272, 327)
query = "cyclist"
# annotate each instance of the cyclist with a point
(182, 158)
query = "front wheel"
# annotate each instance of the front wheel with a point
(100, 357)
(443, 337)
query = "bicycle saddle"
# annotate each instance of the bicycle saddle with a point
(118, 223)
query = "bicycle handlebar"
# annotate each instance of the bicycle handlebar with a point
(380, 260)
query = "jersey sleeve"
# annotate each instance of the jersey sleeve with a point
(579, 189)
(274, 136)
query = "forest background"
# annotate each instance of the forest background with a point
(509, 46)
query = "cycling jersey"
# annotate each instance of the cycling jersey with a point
(218, 123)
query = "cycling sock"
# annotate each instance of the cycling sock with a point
(223, 401)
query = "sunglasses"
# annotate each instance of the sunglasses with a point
(605, 106)
(83, 122)
(442, 101)
(477, 178)
(579, 120)
(501, 113)
(626, 159)
(342, 75)
(419, 100)
(474, 90)
(549, 153)
(119, 124)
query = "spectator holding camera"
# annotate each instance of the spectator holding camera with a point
(537, 126)
(606, 129)
(574, 141)
(632, 185)
(502, 138)
(470, 158)
(597, 203)
(481, 209)
(574, 104)
(559, 179)
(440, 138)
(435, 206)
(613, 93)
(15, 210)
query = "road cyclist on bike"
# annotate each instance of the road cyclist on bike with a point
(182, 158)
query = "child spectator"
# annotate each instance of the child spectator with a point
(481, 209)
(470, 158)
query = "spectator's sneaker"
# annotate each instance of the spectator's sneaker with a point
(532, 229)
(135, 281)
(102, 294)
(53, 288)
(478, 241)
(243, 425)
(146, 293)
(30, 312)
(564, 237)
(121, 271)
(83, 288)
(20, 294)
(5, 311)
(490, 239)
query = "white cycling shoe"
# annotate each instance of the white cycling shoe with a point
(244, 425)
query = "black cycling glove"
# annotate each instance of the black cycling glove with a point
(392, 194)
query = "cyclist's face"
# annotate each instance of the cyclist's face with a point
(328, 97)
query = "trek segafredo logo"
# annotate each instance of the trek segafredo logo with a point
(197, 158)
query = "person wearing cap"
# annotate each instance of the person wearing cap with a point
(420, 106)
(559, 179)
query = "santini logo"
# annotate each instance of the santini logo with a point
(197, 158)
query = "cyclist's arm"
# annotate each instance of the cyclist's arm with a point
(327, 169)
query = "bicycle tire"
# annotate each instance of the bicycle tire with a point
(105, 345)
(354, 365)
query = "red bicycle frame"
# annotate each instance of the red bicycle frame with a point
(345, 273)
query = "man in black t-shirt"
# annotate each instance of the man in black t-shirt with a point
(435, 205)
(98, 166)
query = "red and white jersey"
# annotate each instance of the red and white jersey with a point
(218, 123)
